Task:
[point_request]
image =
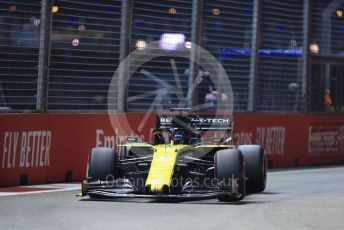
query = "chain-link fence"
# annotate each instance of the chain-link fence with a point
(279, 81)
(60, 55)
(226, 33)
(85, 44)
(327, 30)
(19, 54)
(161, 82)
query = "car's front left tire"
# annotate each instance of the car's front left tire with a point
(102, 164)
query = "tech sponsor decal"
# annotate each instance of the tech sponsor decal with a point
(326, 139)
(165, 120)
(202, 120)
(215, 120)
(26, 149)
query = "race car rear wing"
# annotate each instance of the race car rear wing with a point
(201, 123)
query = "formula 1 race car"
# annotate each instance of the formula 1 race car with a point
(178, 164)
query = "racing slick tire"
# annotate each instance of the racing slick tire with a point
(255, 167)
(102, 163)
(229, 169)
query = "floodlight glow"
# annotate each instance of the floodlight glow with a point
(314, 48)
(75, 42)
(170, 41)
(55, 9)
(141, 44)
(188, 45)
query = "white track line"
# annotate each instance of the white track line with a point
(55, 188)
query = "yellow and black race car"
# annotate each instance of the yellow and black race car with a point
(179, 164)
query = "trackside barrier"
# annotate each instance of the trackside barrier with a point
(43, 148)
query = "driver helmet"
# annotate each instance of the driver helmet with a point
(178, 137)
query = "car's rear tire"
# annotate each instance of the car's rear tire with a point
(102, 164)
(229, 169)
(255, 167)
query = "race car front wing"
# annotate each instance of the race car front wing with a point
(123, 189)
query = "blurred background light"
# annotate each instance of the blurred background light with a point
(55, 9)
(293, 86)
(314, 48)
(171, 41)
(82, 27)
(36, 22)
(140, 44)
(293, 43)
(75, 42)
(172, 10)
(188, 45)
(216, 12)
(246, 45)
(13, 8)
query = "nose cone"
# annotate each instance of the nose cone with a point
(161, 169)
